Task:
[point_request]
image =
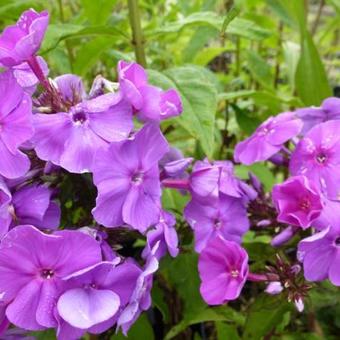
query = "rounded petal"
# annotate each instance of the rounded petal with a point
(84, 308)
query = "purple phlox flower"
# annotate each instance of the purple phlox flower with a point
(150, 102)
(284, 236)
(223, 269)
(330, 215)
(225, 216)
(15, 120)
(89, 286)
(32, 268)
(174, 164)
(26, 77)
(30, 204)
(317, 157)
(100, 84)
(274, 288)
(312, 116)
(71, 139)
(127, 179)
(165, 233)
(320, 255)
(208, 181)
(297, 201)
(101, 236)
(140, 299)
(268, 138)
(20, 42)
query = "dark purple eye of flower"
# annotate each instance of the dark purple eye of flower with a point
(79, 118)
(137, 178)
(337, 241)
(47, 274)
(321, 158)
(217, 224)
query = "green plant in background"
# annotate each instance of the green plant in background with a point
(235, 63)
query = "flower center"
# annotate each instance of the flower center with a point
(79, 118)
(137, 178)
(305, 204)
(235, 273)
(47, 274)
(321, 158)
(217, 224)
(337, 241)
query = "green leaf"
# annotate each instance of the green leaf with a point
(291, 52)
(97, 11)
(140, 329)
(260, 70)
(226, 331)
(207, 54)
(235, 95)
(59, 32)
(224, 313)
(246, 122)
(231, 15)
(241, 27)
(311, 79)
(199, 101)
(89, 54)
(264, 315)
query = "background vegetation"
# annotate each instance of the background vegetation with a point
(234, 63)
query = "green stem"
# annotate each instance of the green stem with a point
(67, 45)
(137, 33)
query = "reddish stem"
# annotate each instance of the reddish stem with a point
(35, 67)
(254, 277)
(176, 183)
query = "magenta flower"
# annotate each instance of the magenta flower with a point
(223, 269)
(225, 217)
(164, 233)
(312, 116)
(207, 181)
(150, 102)
(268, 138)
(71, 139)
(30, 204)
(127, 179)
(19, 42)
(297, 202)
(320, 255)
(317, 157)
(15, 120)
(32, 268)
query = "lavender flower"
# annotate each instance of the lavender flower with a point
(15, 120)
(297, 202)
(30, 204)
(208, 181)
(165, 234)
(140, 299)
(312, 116)
(150, 102)
(127, 179)
(320, 255)
(223, 269)
(71, 139)
(20, 42)
(225, 216)
(317, 157)
(32, 268)
(268, 138)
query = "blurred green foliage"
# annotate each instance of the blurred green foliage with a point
(234, 63)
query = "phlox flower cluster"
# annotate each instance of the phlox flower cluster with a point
(73, 279)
